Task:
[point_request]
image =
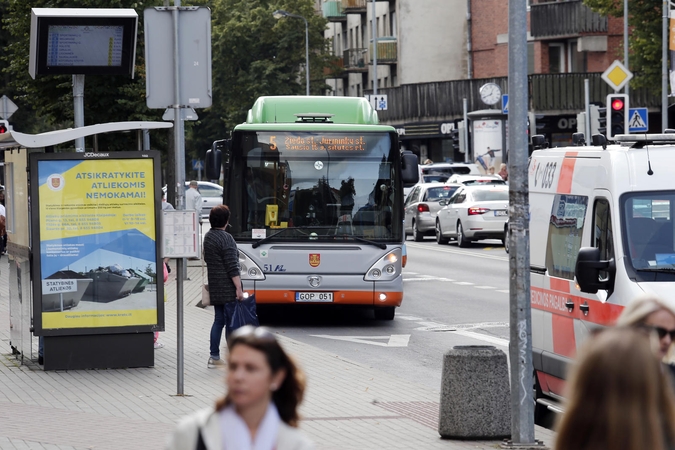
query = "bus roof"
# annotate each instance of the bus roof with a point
(336, 110)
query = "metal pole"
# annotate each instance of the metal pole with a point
(664, 69)
(465, 133)
(520, 350)
(179, 143)
(306, 54)
(78, 108)
(373, 24)
(625, 42)
(587, 103)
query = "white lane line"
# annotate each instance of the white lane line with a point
(456, 252)
(505, 291)
(483, 337)
(395, 340)
(406, 317)
(428, 279)
(411, 273)
(485, 287)
(463, 283)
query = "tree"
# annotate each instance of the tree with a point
(644, 42)
(255, 54)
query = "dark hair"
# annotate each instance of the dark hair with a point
(219, 216)
(289, 395)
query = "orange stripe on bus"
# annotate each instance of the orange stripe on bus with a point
(554, 301)
(558, 284)
(566, 173)
(564, 342)
(265, 296)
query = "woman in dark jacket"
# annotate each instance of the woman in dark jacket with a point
(222, 262)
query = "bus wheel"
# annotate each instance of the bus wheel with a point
(385, 312)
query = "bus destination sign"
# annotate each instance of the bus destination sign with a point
(315, 142)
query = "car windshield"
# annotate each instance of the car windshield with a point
(437, 194)
(322, 185)
(648, 221)
(485, 195)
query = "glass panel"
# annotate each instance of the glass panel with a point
(649, 229)
(603, 237)
(555, 55)
(316, 182)
(439, 193)
(486, 196)
(564, 234)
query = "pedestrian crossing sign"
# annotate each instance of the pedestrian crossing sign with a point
(638, 120)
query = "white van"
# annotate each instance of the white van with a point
(602, 232)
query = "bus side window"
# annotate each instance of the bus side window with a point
(603, 236)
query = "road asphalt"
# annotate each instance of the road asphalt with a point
(348, 404)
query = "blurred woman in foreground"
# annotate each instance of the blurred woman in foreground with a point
(651, 314)
(260, 410)
(618, 396)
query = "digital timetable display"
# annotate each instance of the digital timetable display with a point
(82, 45)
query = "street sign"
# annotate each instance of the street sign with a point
(197, 164)
(7, 107)
(638, 120)
(505, 103)
(617, 75)
(379, 102)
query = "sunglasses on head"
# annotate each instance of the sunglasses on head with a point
(661, 332)
(259, 332)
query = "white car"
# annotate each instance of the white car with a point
(475, 179)
(473, 213)
(212, 195)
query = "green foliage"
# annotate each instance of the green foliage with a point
(644, 41)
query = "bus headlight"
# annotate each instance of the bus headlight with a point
(249, 269)
(386, 268)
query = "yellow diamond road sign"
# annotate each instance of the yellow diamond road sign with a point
(617, 75)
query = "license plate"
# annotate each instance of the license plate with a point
(501, 213)
(314, 297)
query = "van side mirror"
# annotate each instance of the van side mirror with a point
(409, 168)
(588, 268)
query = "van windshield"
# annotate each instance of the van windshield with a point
(649, 230)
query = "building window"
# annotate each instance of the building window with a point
(576, 58)
(530, 58)
(556, 58)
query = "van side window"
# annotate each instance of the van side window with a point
(565, 230)
(603, 236)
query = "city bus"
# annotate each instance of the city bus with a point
(315, 190)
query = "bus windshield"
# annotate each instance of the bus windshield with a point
(314, 186)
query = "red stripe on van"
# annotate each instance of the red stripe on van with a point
(554, 301)
(564, 342)
(566, 173)
(558, 284)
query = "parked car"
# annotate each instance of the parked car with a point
(212, 195)
(475, 179)
(422, 205)
(431, 178)
(473, 213)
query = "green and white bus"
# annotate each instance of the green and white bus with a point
(315, 190)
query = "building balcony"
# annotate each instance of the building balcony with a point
(354, 6)
(387, 51)
(564, 19)
(355, 60)
(336, 69)
(332, 10)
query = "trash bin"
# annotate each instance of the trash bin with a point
(475, 395)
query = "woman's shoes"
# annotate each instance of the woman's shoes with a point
(158, 345)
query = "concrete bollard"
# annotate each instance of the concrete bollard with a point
(475, 395)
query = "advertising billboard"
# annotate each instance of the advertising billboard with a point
(95, 243)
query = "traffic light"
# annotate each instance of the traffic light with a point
(4, 126)
(454, 134)
(617, 122)
(601, 121)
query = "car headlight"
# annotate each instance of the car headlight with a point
(386, 268)
(249, 269)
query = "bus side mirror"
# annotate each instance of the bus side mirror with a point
(409, 171)
(214, 159)
(588, 268)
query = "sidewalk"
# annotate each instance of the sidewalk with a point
(347, 405)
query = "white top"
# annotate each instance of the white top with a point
(193, 200)
(2, 210)
(236, 435)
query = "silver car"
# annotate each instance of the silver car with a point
(212, 195)
(473, 213)
(421, 207)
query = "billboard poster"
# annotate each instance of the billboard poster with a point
(98, 249)
(671, 49)
(488, 139)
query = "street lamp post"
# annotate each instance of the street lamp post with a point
(278, 14)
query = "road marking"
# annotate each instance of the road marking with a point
(456, 252)
(406, 317)
(395, 340)
(483, 337)
(505, 291)
(411, 273)
(428, 279)
(485, 287)
(463, 283)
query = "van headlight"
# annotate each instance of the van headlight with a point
(249, 269)
(386, 268)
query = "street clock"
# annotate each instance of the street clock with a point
(490, 93)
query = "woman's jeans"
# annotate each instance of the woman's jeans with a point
(222, 318)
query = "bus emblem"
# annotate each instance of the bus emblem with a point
(314, 259)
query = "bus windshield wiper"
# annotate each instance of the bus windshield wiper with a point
(257, 244)
(379, 245)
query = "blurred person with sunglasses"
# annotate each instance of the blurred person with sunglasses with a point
(260, 410)
(652, 314)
